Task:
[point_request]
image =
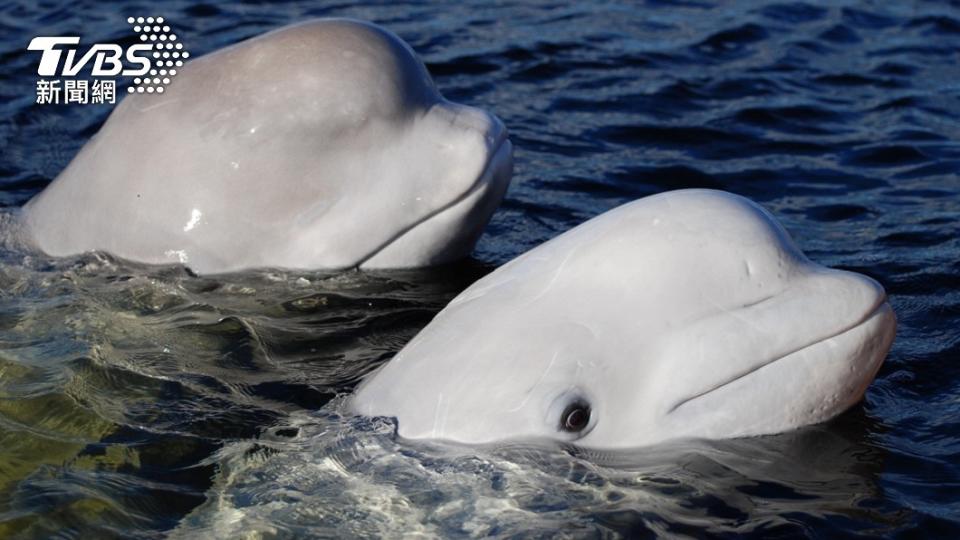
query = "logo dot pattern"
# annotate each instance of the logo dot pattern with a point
(168, 53)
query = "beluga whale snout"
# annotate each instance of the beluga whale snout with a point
(689, 314)
(318, 145)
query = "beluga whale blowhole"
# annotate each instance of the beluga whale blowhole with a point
(319, 145)
(688, 314)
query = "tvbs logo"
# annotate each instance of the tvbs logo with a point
(152, 63)
(106, 56)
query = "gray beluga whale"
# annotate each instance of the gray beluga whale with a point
(319, 145)
(688, 314)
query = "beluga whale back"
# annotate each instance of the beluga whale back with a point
(689, 314)
(319, 145)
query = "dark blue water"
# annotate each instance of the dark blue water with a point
(136, 401)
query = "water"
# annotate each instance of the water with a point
(142, 401)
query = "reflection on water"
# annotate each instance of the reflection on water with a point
(316, 476)
(138, 400)
(120, 380)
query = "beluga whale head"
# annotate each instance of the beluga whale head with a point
(319, 145)
(689, 314)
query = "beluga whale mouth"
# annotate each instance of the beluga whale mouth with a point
(851, 345)
(689, 314)
(319, 145)
(457, 225)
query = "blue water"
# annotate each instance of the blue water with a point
(137, 401)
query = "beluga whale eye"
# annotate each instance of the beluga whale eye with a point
(576, 417)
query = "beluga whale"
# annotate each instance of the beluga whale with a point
(687, 314)
(320, 145)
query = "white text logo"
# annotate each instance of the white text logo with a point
(153, 63)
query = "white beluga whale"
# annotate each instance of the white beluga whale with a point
(688, 314)
(319, 145)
